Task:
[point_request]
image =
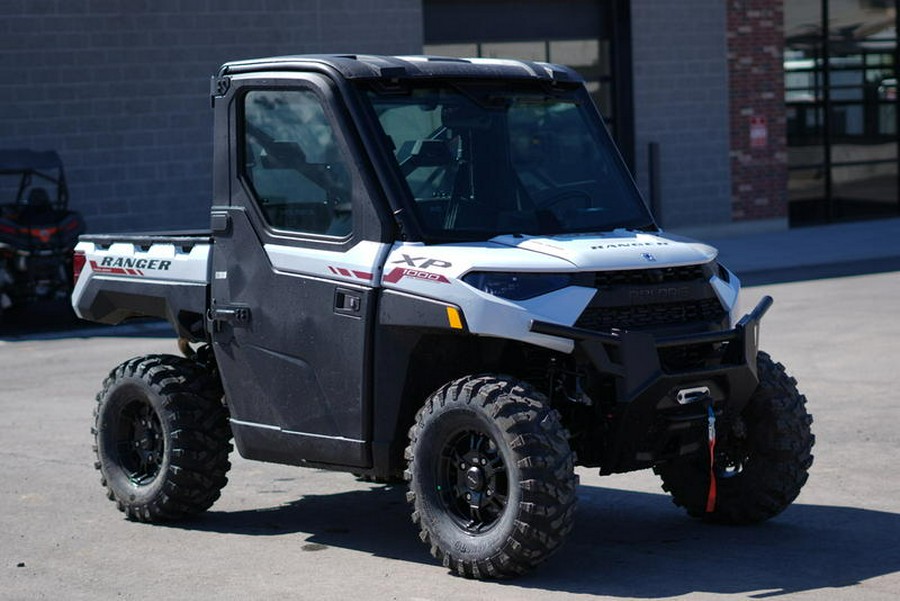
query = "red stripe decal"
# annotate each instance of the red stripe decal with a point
(113, 270)
(362, 275)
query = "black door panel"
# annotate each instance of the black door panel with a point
(297, 364)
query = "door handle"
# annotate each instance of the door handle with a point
(236, 315)
(347, 301)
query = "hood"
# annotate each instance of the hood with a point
(619, 249)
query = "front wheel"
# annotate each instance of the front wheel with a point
(491, 477)
(161, 438)
(763, 462)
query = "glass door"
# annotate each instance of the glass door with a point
(841, 95)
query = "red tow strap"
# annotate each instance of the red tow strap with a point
(711, 495)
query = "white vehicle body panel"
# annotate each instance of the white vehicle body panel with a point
(361, 264)
(435, 271)
(162, 262)
(617, 250)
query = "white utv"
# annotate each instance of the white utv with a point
(438, 270)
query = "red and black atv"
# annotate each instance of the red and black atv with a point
(37, 230)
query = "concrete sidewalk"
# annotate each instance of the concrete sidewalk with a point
(812, 252)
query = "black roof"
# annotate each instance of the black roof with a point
(406, 67)
(21, 159)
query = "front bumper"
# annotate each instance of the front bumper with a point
(654, 421)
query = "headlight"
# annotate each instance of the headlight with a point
(517, 286)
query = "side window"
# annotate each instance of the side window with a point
(295, 168)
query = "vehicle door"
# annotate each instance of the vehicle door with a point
(295, 264)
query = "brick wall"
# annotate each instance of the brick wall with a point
(681, 103)
(120, 88)
(758, 143)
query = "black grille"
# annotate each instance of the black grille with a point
(689, 357)
(647, 316)
(666, 275)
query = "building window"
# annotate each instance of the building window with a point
(841, 95)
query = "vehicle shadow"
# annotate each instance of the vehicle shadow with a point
(374, 520)
(629, 544)
(625, 544)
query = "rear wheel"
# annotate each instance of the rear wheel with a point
(762, 463)
(161, 438)
(491, 477)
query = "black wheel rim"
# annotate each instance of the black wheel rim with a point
(139, 442)
(473, 481)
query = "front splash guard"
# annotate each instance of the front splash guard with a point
(646, 389)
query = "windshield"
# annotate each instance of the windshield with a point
(482, 160)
